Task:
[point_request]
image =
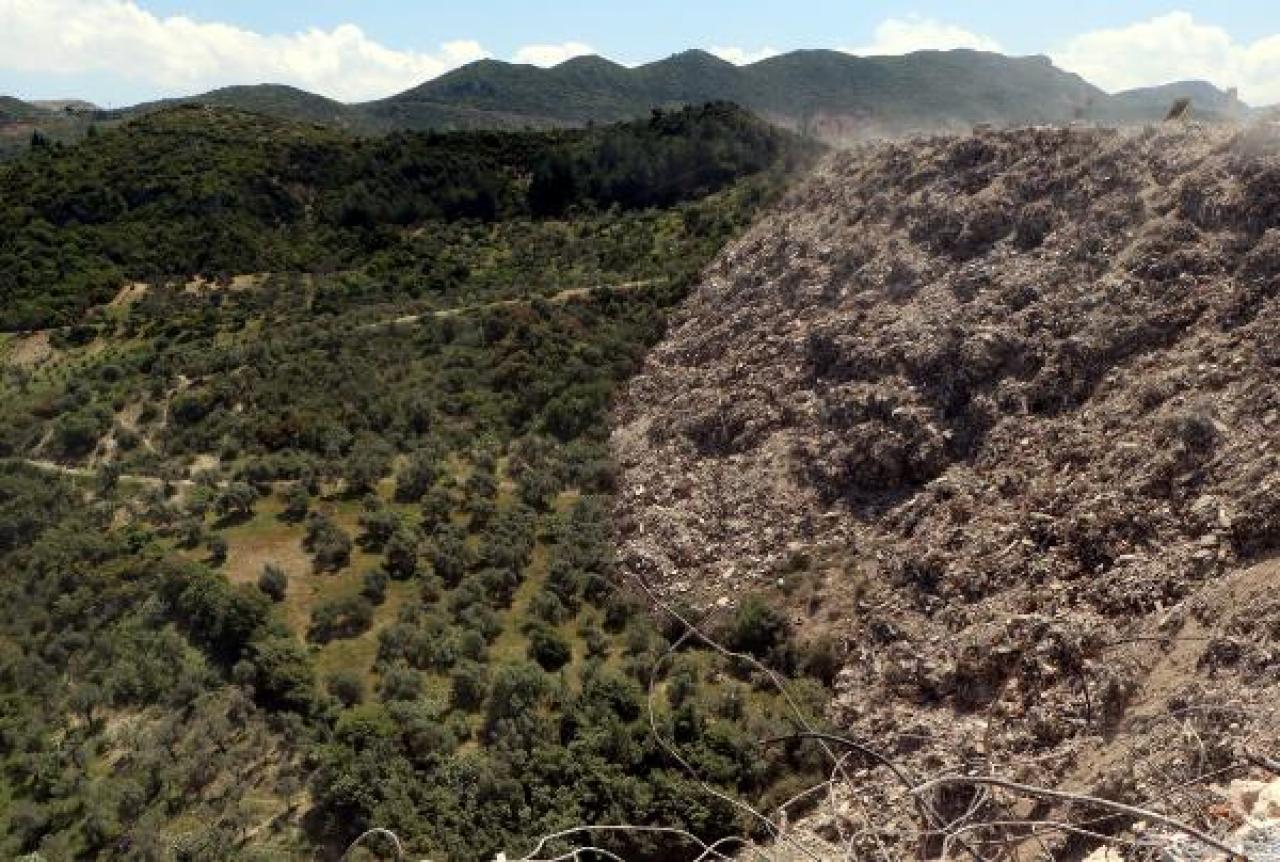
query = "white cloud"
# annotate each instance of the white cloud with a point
(914, 33)
(1175, 47)
(180, 55)
(743, 56)
(551, 55)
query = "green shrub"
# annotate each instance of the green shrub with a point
(218, 550)
(347, 686)
(339, 619)
(402, 555)
(417, 477)
(374, 586)
(297, 502)
(548, 647)
(401, 683)
(469, 686)
(236, 500)
(379, 526)
(328, 543)
(756, 628)
(451, 557)
(273, 582)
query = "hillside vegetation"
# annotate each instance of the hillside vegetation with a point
(197, 191)
(13, 110)
(304, 526)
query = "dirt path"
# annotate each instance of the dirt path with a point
(561, 297)
(92, 472)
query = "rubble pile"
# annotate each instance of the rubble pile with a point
(1011, 403)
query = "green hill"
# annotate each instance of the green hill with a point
(830, 94)
(274, 100)
(826, 92)
(269, 194)
(1151, 104)
(15, 110)
(306, 529)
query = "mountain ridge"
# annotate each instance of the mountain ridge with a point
(825, 93)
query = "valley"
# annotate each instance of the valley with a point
(322, 548)
(484, 472)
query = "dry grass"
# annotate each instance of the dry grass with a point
(30, 351)
(267, 538)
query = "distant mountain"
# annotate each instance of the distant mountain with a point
(581, 90)
(15, 110)
(275, 100)
(1153, 103)
(828, 94)
(65, 105)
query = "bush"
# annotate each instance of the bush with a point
(481, 485)
(1194, 430)
(76, 435)
(548, 648)
(499, 585)
(339, 619)
(402, 555)
(473, 646)
(236, 500)
(379, 526)
(537, 488)
(469, 686)
(596, 640)
(400, 682)
(451, 557)
(482, 511)
(297, 502)
(218, 550)
(546, 606)
(284, 674)
(432, 589)
(758, 629)
(273, 582)
(821, 660)
(437, 506)
(619, 610)
(417, 477)
(346, 686)
(482, 620)
(367, 464)
(375, 586)
(327, 542)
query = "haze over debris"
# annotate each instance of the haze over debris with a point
(1001, 413)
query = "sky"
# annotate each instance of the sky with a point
(118, 52)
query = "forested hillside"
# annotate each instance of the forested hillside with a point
(216, 192)
(304, 507)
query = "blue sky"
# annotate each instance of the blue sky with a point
(638, 31)
(119, 51)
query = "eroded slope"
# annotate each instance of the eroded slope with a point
(1008, 405)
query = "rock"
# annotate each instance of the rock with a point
(1243, 795)
(1105, 854)
(1267, 804)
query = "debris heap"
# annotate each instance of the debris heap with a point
(1001, 414)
